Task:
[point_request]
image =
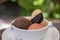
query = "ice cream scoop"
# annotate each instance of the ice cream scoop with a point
(22, 23)
(37, 16)
(35, 26)
(37, 19)
(35, 12)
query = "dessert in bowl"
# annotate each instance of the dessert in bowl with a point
(29, 28)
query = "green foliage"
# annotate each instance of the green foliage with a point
(46, 15)
(38, 2)
(24, 12)
(56, 15)
(26, 4)
(47, 7)
(56, 11)
(13, 0)
(57, 7)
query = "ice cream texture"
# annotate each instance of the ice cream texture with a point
(37, 17)
(35, 26)
(22, 23)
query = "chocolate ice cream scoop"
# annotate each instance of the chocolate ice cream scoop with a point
(37, 16)
(37, 19)
(22, 23)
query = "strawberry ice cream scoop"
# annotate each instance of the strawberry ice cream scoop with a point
(35, 26)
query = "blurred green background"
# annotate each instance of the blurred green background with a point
(50, 8)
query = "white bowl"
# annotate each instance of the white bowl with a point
(31, 34)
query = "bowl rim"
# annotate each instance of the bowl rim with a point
(48, 23)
